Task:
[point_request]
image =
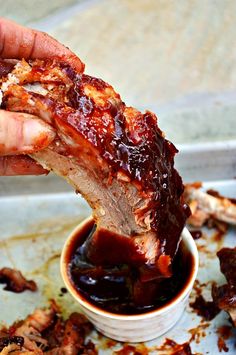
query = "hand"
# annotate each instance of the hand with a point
(22, 134)
(19, 133)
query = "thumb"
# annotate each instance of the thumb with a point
(22, 133)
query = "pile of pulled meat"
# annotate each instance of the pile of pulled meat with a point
(45, 332)
(211, 208)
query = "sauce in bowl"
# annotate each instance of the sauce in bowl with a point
(118, 289)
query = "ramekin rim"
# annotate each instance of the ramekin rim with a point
(186, 236)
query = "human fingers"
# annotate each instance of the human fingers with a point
(22, 133)
(20, 165)
(17, 42)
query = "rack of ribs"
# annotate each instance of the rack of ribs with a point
(115, 156)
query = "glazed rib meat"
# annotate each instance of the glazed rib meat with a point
(207, 205)
(225, 296)
(114, 155)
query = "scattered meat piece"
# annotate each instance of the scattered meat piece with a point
(224, 333)
(225, 296)
(222, 345)
(206, 205)
(206, 309)
(115, 156)
(45, 332)
(15, 281)
(227, 257)
(170, 347)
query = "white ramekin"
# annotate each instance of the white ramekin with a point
(132, 328)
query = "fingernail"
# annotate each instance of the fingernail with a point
(36, 135)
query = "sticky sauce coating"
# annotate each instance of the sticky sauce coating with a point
(138, 148)
(119, 141)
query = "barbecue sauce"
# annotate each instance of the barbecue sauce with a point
(118, 288)
(5, 68)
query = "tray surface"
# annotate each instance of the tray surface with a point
(32, 231)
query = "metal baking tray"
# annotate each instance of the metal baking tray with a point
(35, 223)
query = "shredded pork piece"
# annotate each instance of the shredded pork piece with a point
(225, 296)
(208, 205)
(15, 281)
(45, 332)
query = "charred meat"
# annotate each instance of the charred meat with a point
(225, 296)
(45, 332)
